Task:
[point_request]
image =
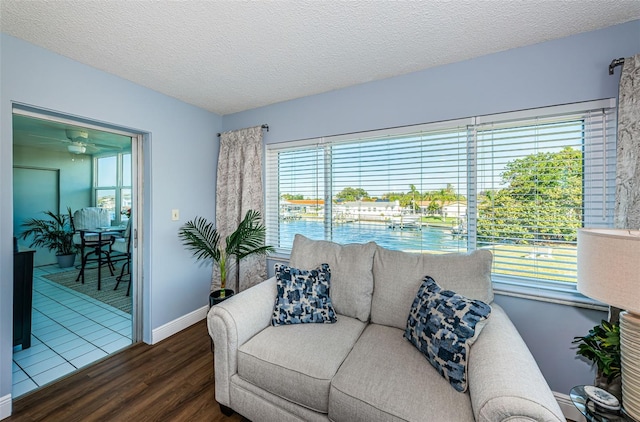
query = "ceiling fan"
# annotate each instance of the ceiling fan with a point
(57, 136)
(77, 141)
(77, 148)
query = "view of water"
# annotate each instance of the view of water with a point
(410, 240)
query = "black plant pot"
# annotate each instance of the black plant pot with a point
(214, 297)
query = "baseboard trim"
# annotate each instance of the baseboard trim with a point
(5, 406)
(568, 409)
(179, 324)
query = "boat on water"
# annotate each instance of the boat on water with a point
(342, 217)
(405, 221)
(458, 230)
(290, 216)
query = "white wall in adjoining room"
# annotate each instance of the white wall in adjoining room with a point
(73, 188)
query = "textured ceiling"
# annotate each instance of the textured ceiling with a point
(230, 56)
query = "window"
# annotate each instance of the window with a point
(112, 187)
(538, 181)
(519, 184)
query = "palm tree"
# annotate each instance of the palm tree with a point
(201, 237)
(413, 191)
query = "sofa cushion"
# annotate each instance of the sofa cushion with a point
(385, 378)
(303, 296)
(398, 275)
(443, 325)
(351, 272)
(297, 362)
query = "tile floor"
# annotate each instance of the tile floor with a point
(69, 330)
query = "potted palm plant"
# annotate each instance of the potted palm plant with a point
(602, 347)
(201, 237)
(55, 234)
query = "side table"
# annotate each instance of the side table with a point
(593, 414)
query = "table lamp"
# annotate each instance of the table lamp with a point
(609, 271)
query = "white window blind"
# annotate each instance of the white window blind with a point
(519, 184)
(533, 194)
(370, 187)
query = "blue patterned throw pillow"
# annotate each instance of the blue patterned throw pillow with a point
(443, 325)
(303, 296)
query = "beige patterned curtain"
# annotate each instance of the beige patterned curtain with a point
(627, 212)
(239, 189)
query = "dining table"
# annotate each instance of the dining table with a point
(102, 240)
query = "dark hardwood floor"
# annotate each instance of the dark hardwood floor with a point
(169, 381)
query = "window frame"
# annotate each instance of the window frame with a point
(602, 190)
(118, 188)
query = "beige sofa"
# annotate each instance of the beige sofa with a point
(361, 368)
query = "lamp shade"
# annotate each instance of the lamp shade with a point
(609, 266)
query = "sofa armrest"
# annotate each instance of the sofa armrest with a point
(233, 322)
(505, 382)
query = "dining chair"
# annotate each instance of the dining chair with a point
(93, 246)
(122, 248)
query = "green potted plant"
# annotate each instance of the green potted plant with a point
(602, 347)
(201, 237)
(55, 234)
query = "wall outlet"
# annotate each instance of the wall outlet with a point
(175, 215)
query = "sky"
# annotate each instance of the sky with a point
(430, 161)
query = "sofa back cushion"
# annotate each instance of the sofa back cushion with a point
(398, 275)
(351, 272)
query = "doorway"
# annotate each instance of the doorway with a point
(60, 164)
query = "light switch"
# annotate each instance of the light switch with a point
(175, 215)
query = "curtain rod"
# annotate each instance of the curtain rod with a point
(615, 63)
(264, 126)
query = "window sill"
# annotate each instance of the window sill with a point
(547, 293)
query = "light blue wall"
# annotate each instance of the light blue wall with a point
(563, 71)
(181, 149)
(548, 330)
(557, 72)
(180, 152)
